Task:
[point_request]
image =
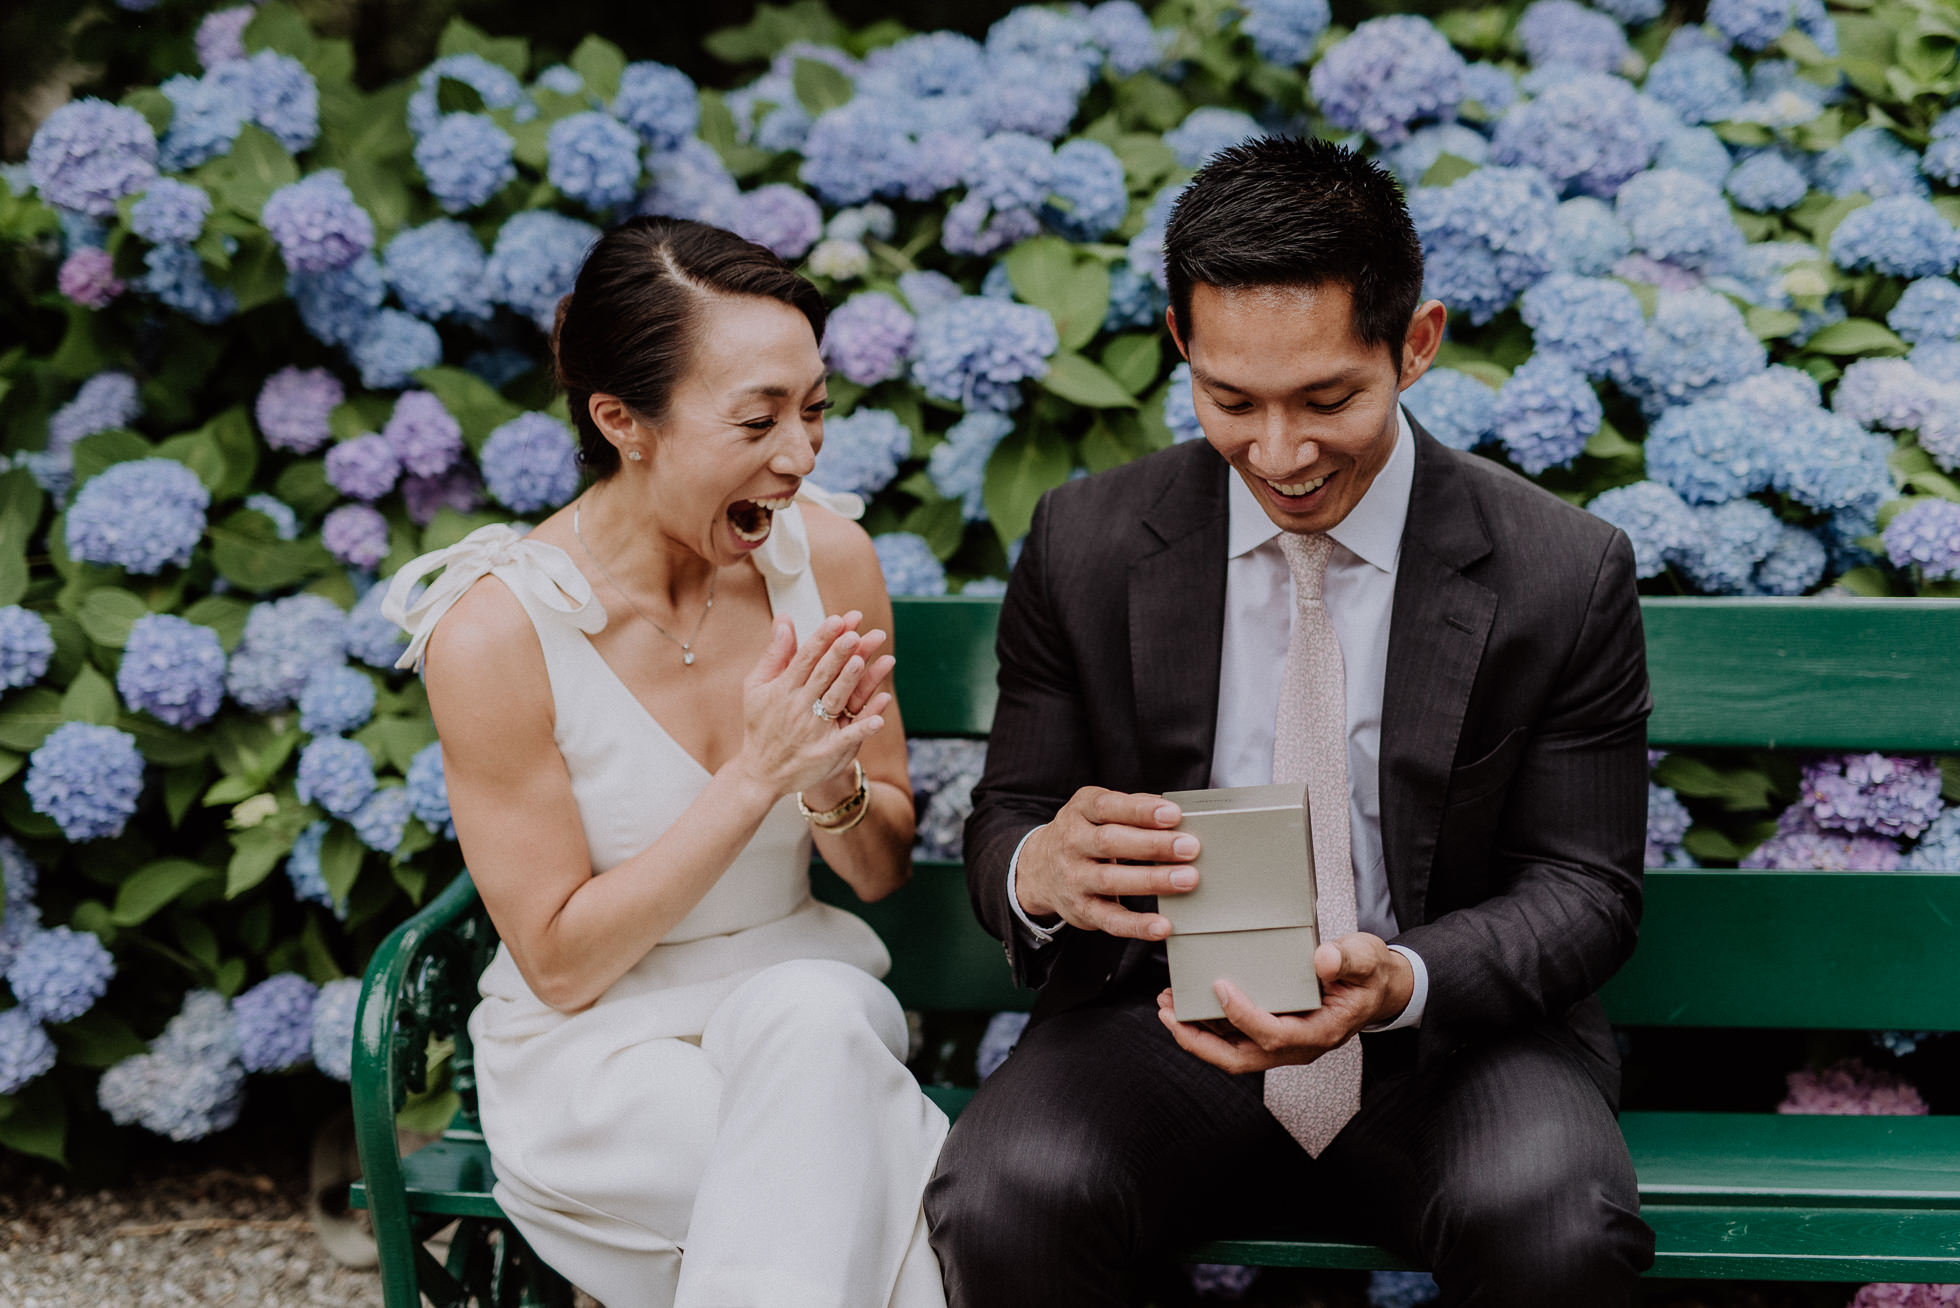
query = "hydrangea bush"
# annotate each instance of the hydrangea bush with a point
(290, 332)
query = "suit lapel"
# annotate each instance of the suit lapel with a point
(1177, 623)
(1438, 625)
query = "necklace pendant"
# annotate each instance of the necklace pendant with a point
(687, 657)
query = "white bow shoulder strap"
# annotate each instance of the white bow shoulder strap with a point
(787, 551)
(536, 567)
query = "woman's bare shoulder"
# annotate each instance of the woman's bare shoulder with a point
(486, 639)
(841, 553)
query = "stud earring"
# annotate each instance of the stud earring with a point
(633, 455)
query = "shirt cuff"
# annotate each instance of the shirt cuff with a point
(1418, 995)
(1041, 934)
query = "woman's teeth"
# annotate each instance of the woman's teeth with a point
(1295, 489)
(776, 504)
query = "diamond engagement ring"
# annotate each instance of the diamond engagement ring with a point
(822, 710)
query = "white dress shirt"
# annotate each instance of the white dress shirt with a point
(1359, 591)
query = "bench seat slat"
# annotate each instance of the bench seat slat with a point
(1763, 1158)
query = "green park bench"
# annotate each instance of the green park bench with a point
(1729, 1195)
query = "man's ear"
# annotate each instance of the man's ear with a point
(1177, 338)
(1424, 338)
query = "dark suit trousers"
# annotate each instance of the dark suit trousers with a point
(1100, 1147)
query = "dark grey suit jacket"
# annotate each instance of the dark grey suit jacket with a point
(1513, 751)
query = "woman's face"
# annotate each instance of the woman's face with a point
(741, 432)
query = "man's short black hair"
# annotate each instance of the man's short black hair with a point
(1281, 211)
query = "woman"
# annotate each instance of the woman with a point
(691, 1082)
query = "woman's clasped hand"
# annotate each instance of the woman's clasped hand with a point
(787, 744)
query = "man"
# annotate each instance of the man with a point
(1451, 661)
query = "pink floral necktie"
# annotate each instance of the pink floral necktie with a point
(1310, 745)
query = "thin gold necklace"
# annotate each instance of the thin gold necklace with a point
(687, 646)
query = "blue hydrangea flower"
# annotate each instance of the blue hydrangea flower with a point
(861, 452)
(172, 669)
(535, 261)
(392, 348)
(58, 974)
(318, 224)
(1696, 342)
(293, 408)
(1696, 151)
(190, 1083)
(498, 86)
(1756, 24)
(658, 102)
(1412, 159)
(1390, 74)
(369, 637)
(335, 773)
(465, 159)
(1941, 162)
(972, 228)
(1401, 1289)
(104, 402)
(1938, 849)
(594, 159)
(976, 352)
(205, 117)
(355, 534)
(275, 1023)
(26, 646)
(143, 515)
(929, 64)
(1939, 360)
(1181, 407)
(1130, 44)
(1003, 1029)
(958, 467)
(1089, 197)
(1731, 540)
(221, 35)
(338, 306)
(768, 114)
(1872, 160)
(1595, 324)
(285, 523)
(1656, 520)
(21, 916)
(170, 212)
(1588, 238)
(857, 151)
(559, 79)
(1898, 235)
(303, 869)
(285, 640)
(867, 337)
(333, 1026)
(1776, 392)
(1453, 406)
(175, 275)
(909, 565)
(1134, 300)
(1207, 130)
(691, 182)
(1681, 220)
(87, 778)
(943, 774)
(1928, 310)
(1485, 237)
(428, 793)
(530, 463)
(1700, 84)
(1667, 824)
(337, 700)
(1546, 413)
(1826, 462)
(1709, 451)
(381, 822)
(423, 435)
(436, 271)
(1926, 535)
(780, 217)
(1584, 134)
(365, 468)
(926, 290)
(1285, 31)
(26, 1051)
(1794, 565)
(278, 94)
(1566, 32)
(1767, 183)
(1888, 394)
(1026, 93)
(1063, 38)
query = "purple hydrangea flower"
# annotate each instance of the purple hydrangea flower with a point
(335, 773)
(1667, 824)
(460, 489)
(392, 348)
(285, 642)
(356, 534)
(26, 1051)
(780, 217)
(423, 435)
(190, 1083)
(594, 159)
(1801, 845)
(691, 182)
(381, 822)
(221, 35)
(428, 793)
(1546, 413)
(364, 468)
(275, 1023)
(1926, 535)
(89, 153)
(535, 261)
(867, 337)
(1390, 74)
(1849, 1088)
(1898, 235)
(861, 452)
(293, 408)
(976, 352)
(909, 565)
(436, 271)
(338, 699)
(530, 463)
(1656, 520)
(58, 974)
(143, 515)
(497, 85)
(333, 1027)
(958, 467)
(26, 646)
(658, 102)
(172, 669)
(1453, 406)
(465, 159)
(88, 277)
(87, 778)
(1485, 237)
(1871, 794)
(317, 223)
(338, 306)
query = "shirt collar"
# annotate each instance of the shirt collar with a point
(1372, 530)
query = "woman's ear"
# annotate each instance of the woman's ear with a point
(616, 422)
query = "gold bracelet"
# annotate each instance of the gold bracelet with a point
(863, 808)
(830, 818)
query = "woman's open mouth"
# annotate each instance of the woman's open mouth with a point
(752, 519)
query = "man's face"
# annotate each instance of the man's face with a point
(1286, 393)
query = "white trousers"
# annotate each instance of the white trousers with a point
(778, 1163)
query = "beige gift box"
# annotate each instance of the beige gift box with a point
(1250, 920)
